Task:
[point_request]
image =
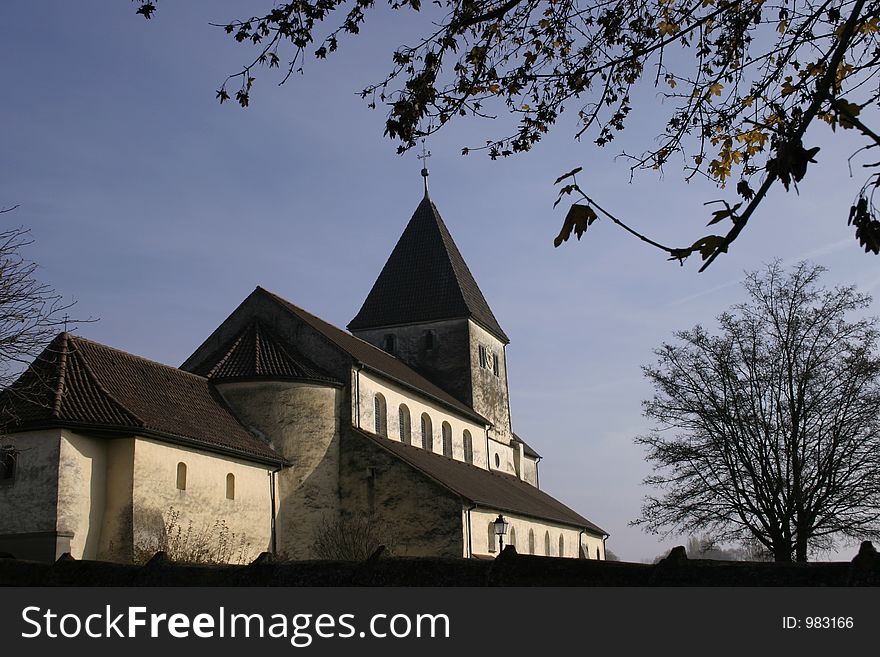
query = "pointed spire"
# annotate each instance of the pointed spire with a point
(425, 279)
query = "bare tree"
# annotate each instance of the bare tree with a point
(353, 538)
(31, 313)
(769, 430)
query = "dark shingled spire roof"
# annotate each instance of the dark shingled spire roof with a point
(425, 279)
(84, 385)
(255, 353)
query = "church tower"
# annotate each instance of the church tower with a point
(426, 309)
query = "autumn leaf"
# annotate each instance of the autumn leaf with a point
(708, 245)
(726, 213)
(146, 10)
(847, 111)
(668, 29)
(743, 189)
(578, 219)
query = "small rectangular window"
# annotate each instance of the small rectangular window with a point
(495, 364)
(482, 356)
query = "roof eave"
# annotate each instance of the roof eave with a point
(591, 528)
(184, 441)
(271, 378)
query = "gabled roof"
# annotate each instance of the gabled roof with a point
(495, 490)
(425, 279)
(87, 385)
(376, 359)
(256, 353)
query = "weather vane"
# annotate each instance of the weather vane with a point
(424, 158)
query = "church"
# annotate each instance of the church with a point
(280, 424)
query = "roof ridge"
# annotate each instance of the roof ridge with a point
(62, 372)
(102, 388)
(445, 240)
(265, 354)
(302, 362)
(349, 334)
(128, 354)
(454, 254)
(232, 345)
(257, 344)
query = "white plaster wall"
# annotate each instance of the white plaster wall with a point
(82, 484)
(505, 454)
(530, 470)
(29, 503)
(481, 518)
(204, 500)
(117, 528)
(369, 383)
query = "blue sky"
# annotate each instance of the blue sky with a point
(159, 210)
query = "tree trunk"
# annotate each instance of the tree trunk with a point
(782, 552)
(801, 547)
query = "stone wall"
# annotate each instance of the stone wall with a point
(421, 516)
(446, 364)
(302, 422)
(510, 569)
(490, 392)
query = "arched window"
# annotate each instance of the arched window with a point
(512, 540)
(427, 433)
(379, 417)
(598, 556)
(430, 341)
(181, 476)
(405, 425)
(468, 447)
(230, 486)
(492, 537)
(547, 544)
(531, 542)
(446, 430)
(561, 546)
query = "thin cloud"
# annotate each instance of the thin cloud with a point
(806, 255)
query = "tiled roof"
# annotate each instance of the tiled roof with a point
(257, 353)
(526, 448)
(492, 489)
(89, 385)
(425, 279)
(376, 359)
